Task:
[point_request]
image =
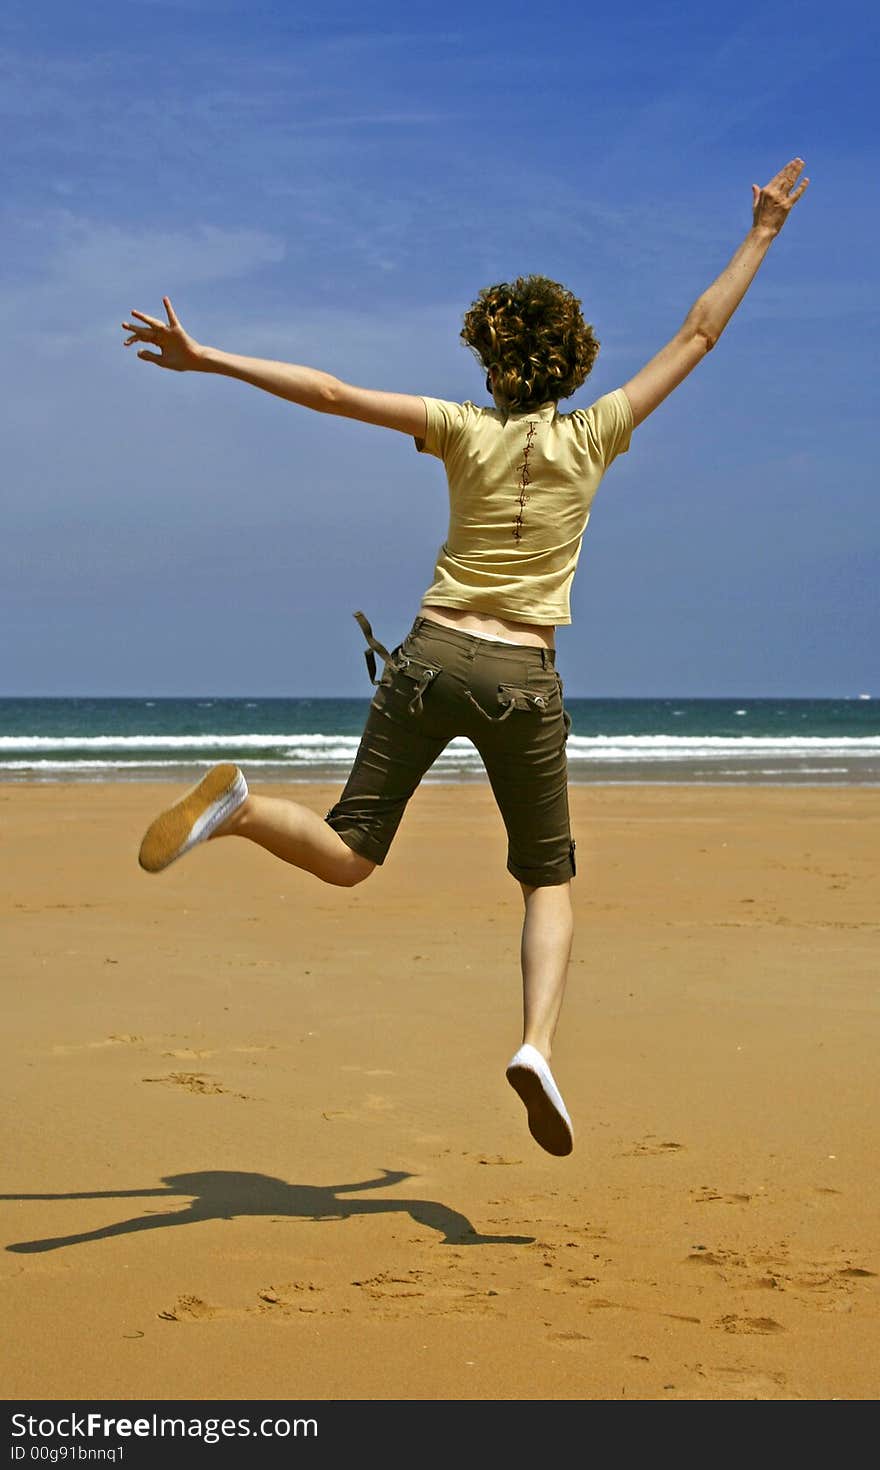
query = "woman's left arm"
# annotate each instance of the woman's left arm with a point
(712, 310)
(306, 386)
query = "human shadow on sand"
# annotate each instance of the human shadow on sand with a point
(221, 1194)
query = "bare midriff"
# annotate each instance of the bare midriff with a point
(533, 635)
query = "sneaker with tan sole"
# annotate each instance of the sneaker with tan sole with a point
(194, 818)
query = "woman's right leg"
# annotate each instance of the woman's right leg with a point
(299, 836)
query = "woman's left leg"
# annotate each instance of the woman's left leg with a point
(545, 952)
(523, 749)
(546, 948)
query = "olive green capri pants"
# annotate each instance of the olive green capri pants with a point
(507, 699)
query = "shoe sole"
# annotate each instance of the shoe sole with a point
(546, 1125)
(193, 818)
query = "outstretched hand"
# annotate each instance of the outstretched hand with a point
(772, 204)
(177, 350)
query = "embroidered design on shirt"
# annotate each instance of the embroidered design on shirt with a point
(525, 480)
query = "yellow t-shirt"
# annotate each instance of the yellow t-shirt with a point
(520, 490)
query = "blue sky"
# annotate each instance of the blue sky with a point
(333, 185)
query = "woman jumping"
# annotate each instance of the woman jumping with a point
(479, 659)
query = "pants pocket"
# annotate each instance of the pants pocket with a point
(408, 677)
(522, 698)
(511, 697)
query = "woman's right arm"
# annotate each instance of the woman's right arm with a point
(712, 310)
(309, 387)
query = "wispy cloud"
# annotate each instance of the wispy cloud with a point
(107, 257)
(73, 272)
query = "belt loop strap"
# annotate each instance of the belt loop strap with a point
(374, 647)
(493, 719)
(415, 705)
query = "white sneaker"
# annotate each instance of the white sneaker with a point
(192, 819)
(549, 1123)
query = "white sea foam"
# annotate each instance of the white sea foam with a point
(331, 747)
(205, 741)
(75, 765)
(443, 772)
(783, 770)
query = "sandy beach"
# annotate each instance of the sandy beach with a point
(259, 1143)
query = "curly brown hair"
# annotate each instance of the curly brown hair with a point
(532, 333)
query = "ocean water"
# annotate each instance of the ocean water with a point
(703, 741)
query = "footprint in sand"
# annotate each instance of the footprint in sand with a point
(651, 1145)
(601, 1303)
(190, 1309)
(383, 1286)
(734, 1323)
(292, 1296)
(831, 1287)
(702, 1256)
(189, 1054)
(197, 1082)
(744, 1383)
(396, 1294)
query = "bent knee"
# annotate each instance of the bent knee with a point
(353, 869)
